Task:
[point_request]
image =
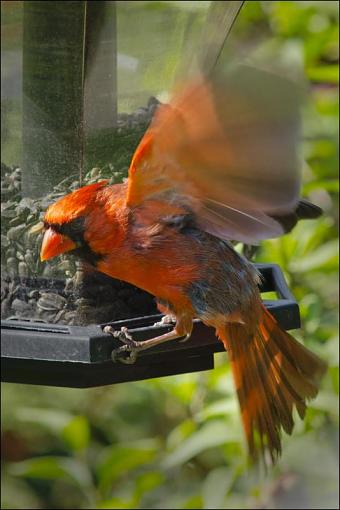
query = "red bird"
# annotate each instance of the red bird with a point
(217, 164)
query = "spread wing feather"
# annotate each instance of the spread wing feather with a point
(226, 146)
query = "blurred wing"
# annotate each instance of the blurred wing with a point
(228, 148)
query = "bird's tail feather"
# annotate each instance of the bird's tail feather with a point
(272, 373)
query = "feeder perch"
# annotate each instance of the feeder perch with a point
(80, 356)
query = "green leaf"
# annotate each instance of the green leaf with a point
(54, 420)
(118, 460)
(74, 430)
(215, 487)
(324, 257)
(214, 433)
(148, 482)
(184, 429)
(324, 74)
(192, 502)
(116, 503)
(330, 185)
(52, 468)
(76, 433)
(223, 407)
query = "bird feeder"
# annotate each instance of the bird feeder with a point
(80, 83)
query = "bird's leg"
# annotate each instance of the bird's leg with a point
(169, 319)
(132, 347)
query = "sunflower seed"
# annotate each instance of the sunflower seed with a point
(20, 306)
(4, 241)
(14, 233)
(23, 269)
(50, 301)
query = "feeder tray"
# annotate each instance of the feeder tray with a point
(80, 356)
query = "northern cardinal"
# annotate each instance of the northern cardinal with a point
(218, 163)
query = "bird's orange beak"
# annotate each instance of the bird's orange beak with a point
(55, 244)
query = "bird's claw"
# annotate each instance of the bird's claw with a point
(125, 354)
(185, 339)
(128, 352)
(166, 320)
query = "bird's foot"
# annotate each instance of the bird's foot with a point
(125, 354)
(166, 320)
(128, 352)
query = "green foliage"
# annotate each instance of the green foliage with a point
(177, 442)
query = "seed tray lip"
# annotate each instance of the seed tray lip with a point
(80, 356)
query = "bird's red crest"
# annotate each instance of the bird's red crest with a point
(73, 205)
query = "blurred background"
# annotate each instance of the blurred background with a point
(175, 442)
